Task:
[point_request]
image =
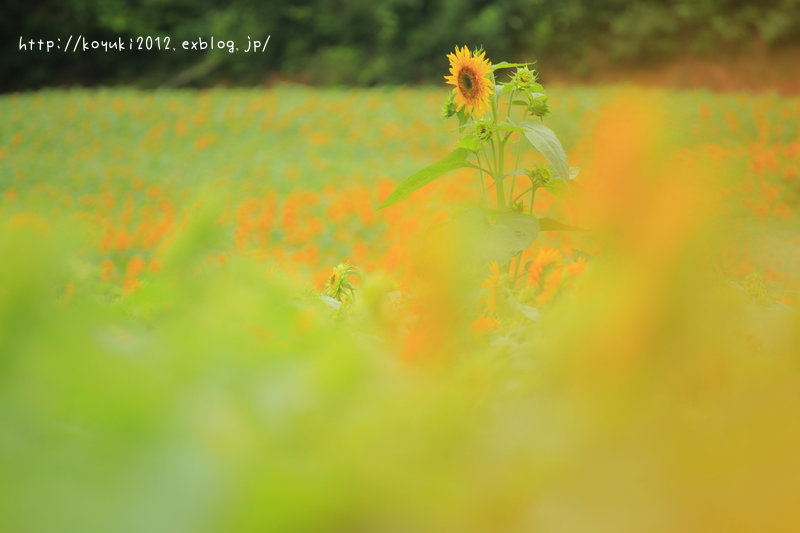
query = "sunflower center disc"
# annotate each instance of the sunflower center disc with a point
(466, 82)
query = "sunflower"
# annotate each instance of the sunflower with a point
(468, 73)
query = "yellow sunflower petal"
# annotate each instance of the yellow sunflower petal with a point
(468, 74)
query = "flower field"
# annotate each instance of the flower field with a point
(172, 358)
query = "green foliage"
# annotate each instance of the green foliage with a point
(519, 229)
(452, 161)
(503, 234)
(543, 139)
(219, 399)
(489, 135)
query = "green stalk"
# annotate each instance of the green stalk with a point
(523, 193)
(519, 154)
(510, 102)
(533, 197)
(516, 269)
(500, 172)
(511, 200)
(480, 176)
(498, 185)
(498, 154)
(489, 161)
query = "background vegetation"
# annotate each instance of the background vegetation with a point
(167, 363)
(365, 43)
(167, 366)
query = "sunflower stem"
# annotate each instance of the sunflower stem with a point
(480, 176)
(533, 197)
(498, 153)
(516, 269)
(510, 103)
(498, 173)
(501, 195)
(519, 154)
(490, 163)
(523, 193)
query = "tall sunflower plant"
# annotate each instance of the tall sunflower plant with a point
(496, 123)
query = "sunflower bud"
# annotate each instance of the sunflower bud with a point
(484, 129)
(523, 79)
(539, 107)
(449, 108)
(540, 176)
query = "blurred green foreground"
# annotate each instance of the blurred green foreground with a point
(658, 395)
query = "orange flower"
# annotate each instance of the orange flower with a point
(484, 323)
(544, 257)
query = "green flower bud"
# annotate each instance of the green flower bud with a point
(539, 107)
(523, 79)
(540, 175)
(484, 129)
(449, 107)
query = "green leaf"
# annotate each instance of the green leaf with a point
(519, 230)
(503, 89)
(494, 235)
(516, 173)
(454, 160)
(558, 187)
(531, 313)
(506, 64)
(543, 139)
(462, 117)
(548, 224)
(500, 89)
(470, 142)
(330, 302)
(505, 126)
